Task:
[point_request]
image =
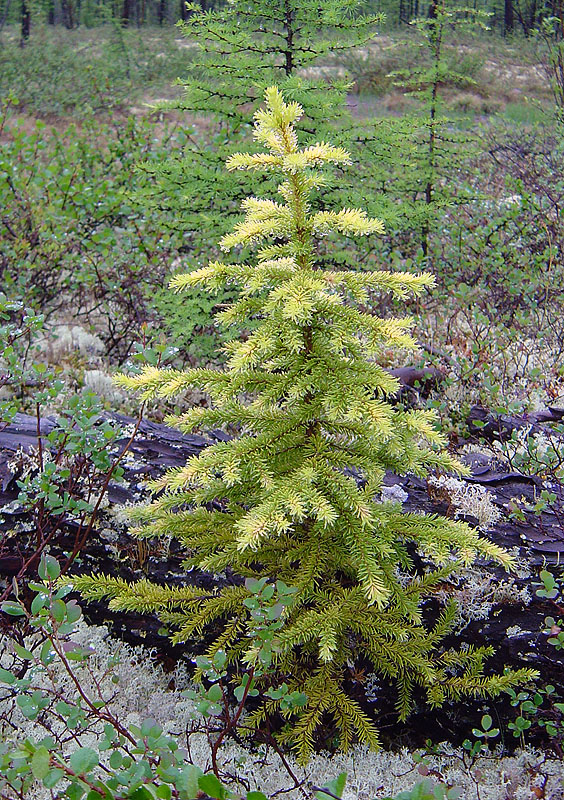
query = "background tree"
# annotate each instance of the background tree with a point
(411, 157)
(241, 49)
(25, 16)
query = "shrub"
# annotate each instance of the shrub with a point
(71, 243)
(81, 73)
(61, 687)
(63, 478)
(120, 761)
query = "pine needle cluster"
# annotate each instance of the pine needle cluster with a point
(281, 499)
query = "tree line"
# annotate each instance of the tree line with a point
(506, 16)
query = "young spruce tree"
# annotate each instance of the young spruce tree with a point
(309, 400)
(419, 156)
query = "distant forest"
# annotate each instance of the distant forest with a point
(506, 16)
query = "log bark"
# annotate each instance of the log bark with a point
(515, 614)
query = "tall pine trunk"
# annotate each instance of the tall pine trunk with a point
(508, 17)
(25, 23)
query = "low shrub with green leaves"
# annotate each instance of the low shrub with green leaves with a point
(87, 750)
(121, 761)
(72, 244)
(63, 478)
(309, 401)
(88, 72)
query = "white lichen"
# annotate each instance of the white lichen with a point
(477, 591)
(143, 690)
(468, 499)
(101, 384)
(66, 340)
(393, 494)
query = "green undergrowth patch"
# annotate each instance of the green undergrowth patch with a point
(90, 71)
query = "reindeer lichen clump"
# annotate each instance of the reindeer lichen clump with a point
(308, 398)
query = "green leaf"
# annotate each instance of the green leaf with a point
(253, 585)
(188, 780)
(52, 778)
(75, 791)
(211, 786)
(74, 611)
(336, 787)
(215, 694)
(7, 677)
(39, 601)
(47, 653)
(220, 659)
(275, 611)
(298, 699)
(58, 610)
(143, 793)
(268, 593)
(548, 579)
(40, 763)
(22, 652)
(13, 609)
(83, 760)
(49, 568)
(149, 727)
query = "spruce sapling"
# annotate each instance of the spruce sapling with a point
(308, 399)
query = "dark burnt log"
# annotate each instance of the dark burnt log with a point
(416, 382)
(158, 447)
(513, 627)
(492, 426)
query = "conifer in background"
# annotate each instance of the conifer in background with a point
(236, 51)
(415, 158)
(241, 48)
(308, 399)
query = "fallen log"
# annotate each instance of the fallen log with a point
(495, 608)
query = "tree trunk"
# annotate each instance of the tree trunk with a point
(26, 23)
(508, 17)
(558, 11)
(532, 16)
(5, 14)
(69, 18)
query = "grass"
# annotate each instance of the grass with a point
(524, 113)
